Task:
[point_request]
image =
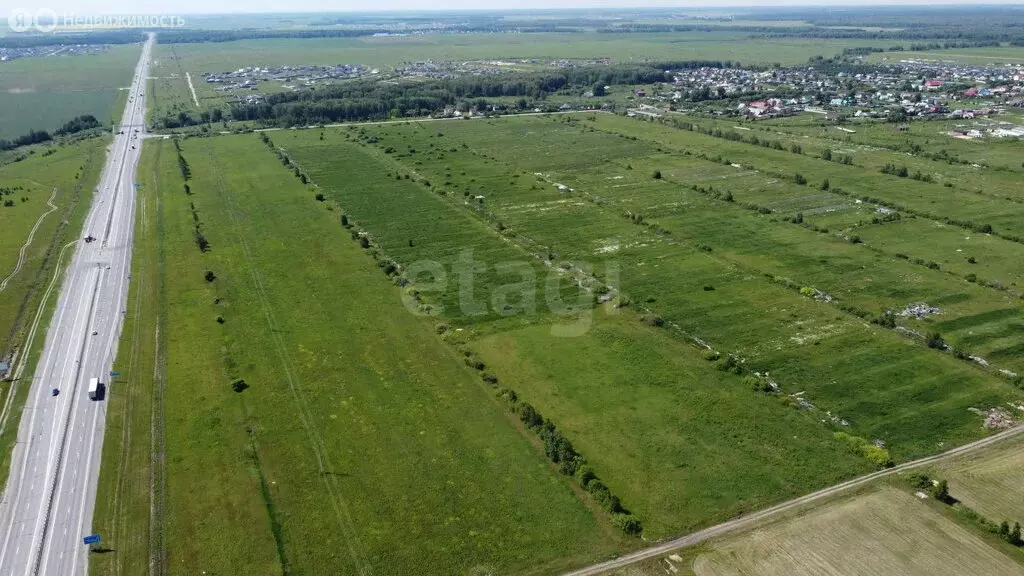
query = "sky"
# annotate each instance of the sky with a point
(185, 7)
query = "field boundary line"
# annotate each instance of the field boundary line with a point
(768, 514)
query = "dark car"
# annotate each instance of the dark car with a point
(54, 392)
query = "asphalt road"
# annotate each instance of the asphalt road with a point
(47, 505)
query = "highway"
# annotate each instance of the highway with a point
(48, 502)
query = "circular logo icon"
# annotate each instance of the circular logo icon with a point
(19, 20)
(45, 20)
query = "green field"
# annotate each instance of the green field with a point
(360, 430)
(1011, 55)
(44, 93)
(793, 337)
(701, 317)
(66, 178)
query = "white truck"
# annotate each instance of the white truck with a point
(94, 388)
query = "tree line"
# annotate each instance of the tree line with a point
(371, 100)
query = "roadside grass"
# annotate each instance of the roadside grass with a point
(44, 93)
(418, 467)
(126, 485)
(883, 531)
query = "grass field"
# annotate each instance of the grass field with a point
(68, 176)
(664, 428)
(886, 531)
(806, 345)
(360, 430)
(734, 347)
(1011, 55)
(44, 93)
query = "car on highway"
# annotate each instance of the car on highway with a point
(54, 392)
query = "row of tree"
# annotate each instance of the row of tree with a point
(370, 100)
(33, 137)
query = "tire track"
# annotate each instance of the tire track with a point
(28, 241)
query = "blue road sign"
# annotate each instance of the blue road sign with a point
(113, 374)
(92, 539)
(137, 186)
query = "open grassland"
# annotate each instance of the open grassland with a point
(885, 531)
(361, 442)
(44, 93)
(765, 179)
(389, 51)
(59, 186)
(991, 482)
(682, 443)
(1012, 55)
(701, 264)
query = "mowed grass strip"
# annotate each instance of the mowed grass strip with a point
(420, 470)
(885, 531)
(683, 444)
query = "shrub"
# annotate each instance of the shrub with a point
(529, 416)
(971, 260)
(239, 385)
(627, 523)
(654, 320)
(934, 340)
(320, 196)
(799, 179)
(585, 475)
(210, 276)
(710, 355)
(656, 175)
